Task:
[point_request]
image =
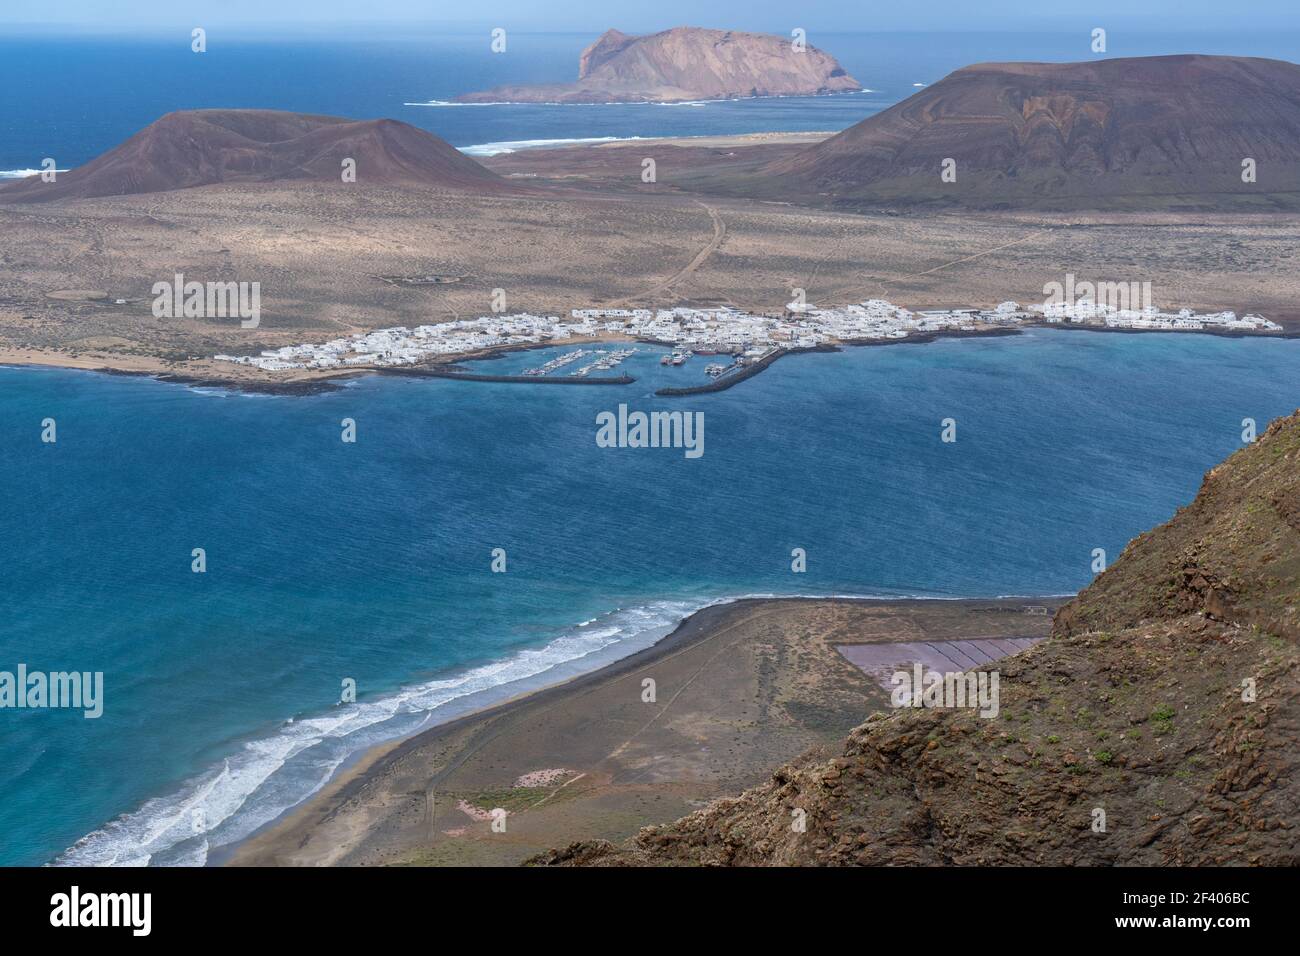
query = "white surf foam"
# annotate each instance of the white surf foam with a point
(512, 146)
(716, 99)
(23, 173)
(271, 774)
(450, 103)
(515, 103)
(268, 775)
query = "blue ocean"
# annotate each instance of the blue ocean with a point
(329, 562)
(72, 98)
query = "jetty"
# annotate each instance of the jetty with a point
(557, 363)
(464, 376)
(721, 382)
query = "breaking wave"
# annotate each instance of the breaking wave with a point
(511, 146)
(269, 774)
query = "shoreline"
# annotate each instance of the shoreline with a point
(455, 372)
(478, 98)
(334, 379)
(352, 771)
(492, 150)
(749, 371)
(693, 627)
(351, 780)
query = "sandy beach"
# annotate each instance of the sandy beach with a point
(739, 689)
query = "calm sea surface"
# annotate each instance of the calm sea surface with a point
(371, 561)
(328, 561)
(73, 98)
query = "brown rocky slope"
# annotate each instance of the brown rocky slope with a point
(1123, 133)
(203, 147)
(1134, 707)
(686, 63)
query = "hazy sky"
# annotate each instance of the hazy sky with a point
(641, 15)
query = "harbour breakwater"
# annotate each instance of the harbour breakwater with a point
(332, 382)
(735, 378)
(462, 375)
(1291, 333)
(445, 469)
(749, 371)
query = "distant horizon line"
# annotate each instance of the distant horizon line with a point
(464, 27)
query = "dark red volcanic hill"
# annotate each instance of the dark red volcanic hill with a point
(1120, 133)
(202, 147)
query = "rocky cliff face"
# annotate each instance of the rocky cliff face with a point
(1116, 132)
(686, 63)
(1133, 709)
(610, 45)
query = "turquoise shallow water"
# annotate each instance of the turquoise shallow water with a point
(371, 561)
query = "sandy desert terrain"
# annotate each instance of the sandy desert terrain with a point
(76, 276)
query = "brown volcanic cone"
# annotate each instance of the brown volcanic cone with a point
(1133, 706)
(1150, 131)
(202, 147)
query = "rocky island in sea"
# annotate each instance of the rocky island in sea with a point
(687, 63)
(332, 565)
(730, 230)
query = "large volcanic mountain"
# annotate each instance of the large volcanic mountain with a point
(1120, 133)
(1167, 697)
(202, 147)
(686, 63)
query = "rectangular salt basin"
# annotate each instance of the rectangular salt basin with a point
(879, 661)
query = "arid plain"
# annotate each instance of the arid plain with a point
(743, 687)
(426, 235)
(582, 231)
